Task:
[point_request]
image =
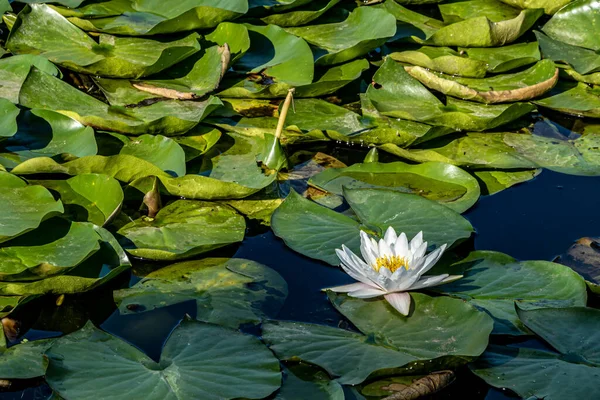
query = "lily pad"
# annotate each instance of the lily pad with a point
(524, 85)
(550, 6)
(183, 229)
(53, 248)
(444, 183)
(494, 10)
(152, 17)
(41, 30)
(305, 382)
(505, 58)
(161, 151)
(198, 141)
(8, 118)
(25, 206)
(494, 281)
(23, 361)
(44, 91)
(300, 17)
(14, 71)
(442, 59)
(198, 360)
(376, 210)
(584, 258)
(446, 331)
(395, 93)
(482, 32)
(234, 35)
(365, 29)
(45, 133)
(89, 197)
(584, 61)
(579, 100)
(543, 373)
(410, 24)
(227, 292)
(576, 24)
(493, 182)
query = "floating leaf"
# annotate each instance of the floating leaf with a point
(161, 151)
(41, 30)
(505, 58)
(410, 387)
(300, 17)
(410, 24)
(151, 17)
(304, 382)
(365, 29)
(576, 24)
(580, 100)
(14, 71)
(544, 373)
(198, 141)
(25, 206)
(584, 258)
(172, 117)
(549, 6)
(376, 209)
(524, 85)
(183, 229)
(446, 331)
(23, 361)
(8, 118)
(397, 94)
(497, 181)
(482, 32)
(89, 197)
(494, 10)
(234, 35)
(227, 292)
(584, 61)
(442, 59)
(199, 360)
(444, 183)
(494, 281)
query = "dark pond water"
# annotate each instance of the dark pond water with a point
(539, 219)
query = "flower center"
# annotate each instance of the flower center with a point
(392, 263)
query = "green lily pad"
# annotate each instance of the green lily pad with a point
(494, 10)
(25, 206)
(365, 29)
(161, 151)
(23, 361)
(584, 61)
(198, 141)
(152, 17)
(442, 59)
(44, 91)
(550, 6)
(592, 79)
(8, 118)
(576, 24)
(473, 150)
(45, 133)
(494, 281)
(300, 17)
(101, 267)
(376, 209)
(482, 32)
(493, 182)
(53, 248)
(505, 58)
(198, 360)
(183, 229)
(584, 258)
(41, 30)
(89, 197)
(14, 71)
(534, 373)
(524, 85)
(235, 36)
(446, 331)
(305, 382)
(227, 292)
(579, 100)
(444, 183)
(395, 93)
(410, 24)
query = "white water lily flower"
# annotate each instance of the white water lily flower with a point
(390, 268)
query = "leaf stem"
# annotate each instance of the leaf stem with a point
(283, 113)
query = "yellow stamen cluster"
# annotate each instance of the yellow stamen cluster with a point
(392, 263)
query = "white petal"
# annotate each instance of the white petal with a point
(347, 288)
(374, 247)
(404, 281)
(419, 252)
(366, 292)
(400, 301)
(390, 236)
(366, 250)
(356, 268)
(431, 259)
(428, 281)
(401, 246)
(384, 249)
(416, 241)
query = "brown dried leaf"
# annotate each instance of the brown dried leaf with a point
(584, 258)
(425, 386)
